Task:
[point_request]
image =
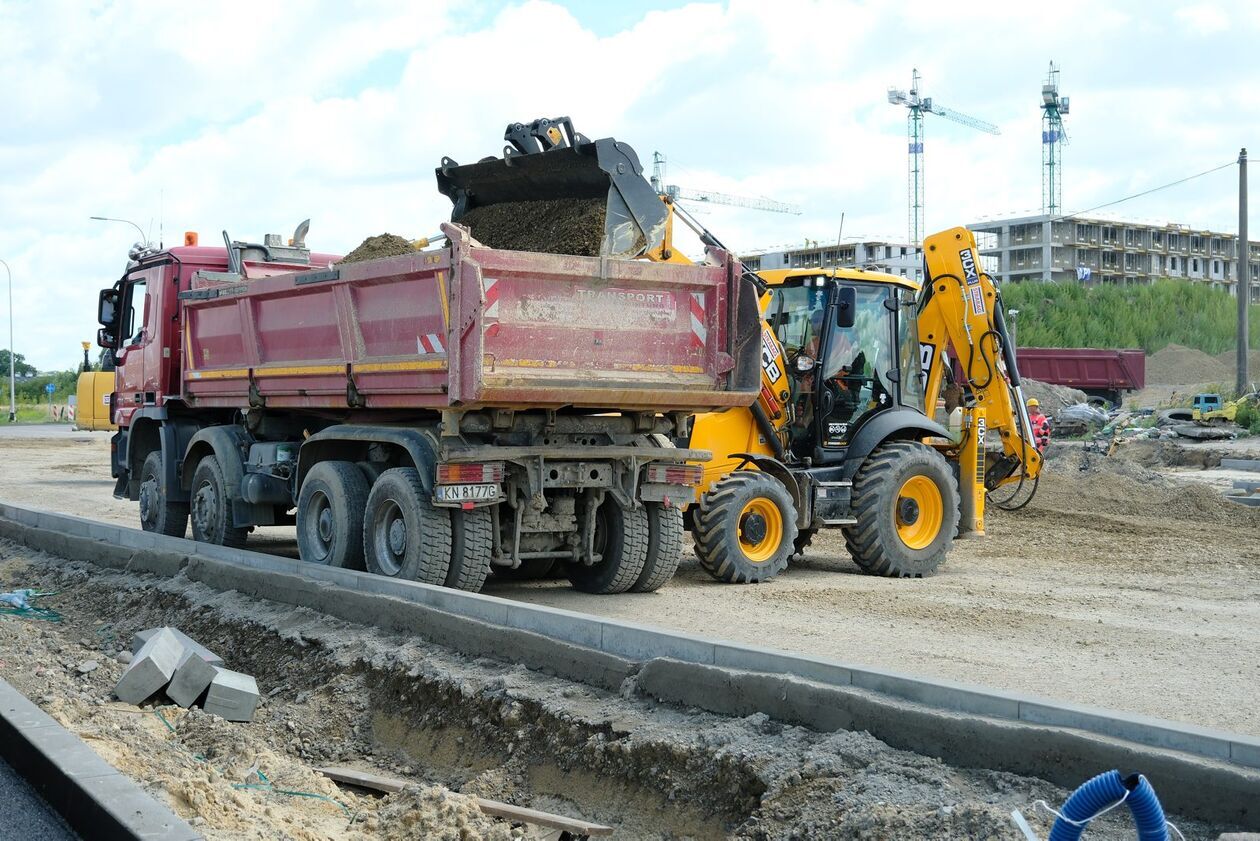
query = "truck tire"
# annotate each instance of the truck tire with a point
(621, 539)
(210, 509)
(330, 515)
(905, 500)
(665, 548)
(745, 528)
(404, 536)
(472, 541)
(157, 513)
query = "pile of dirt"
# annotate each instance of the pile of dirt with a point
(438, 813)
(551, 226)
(1052, 397)
(1229, 358)
(381, 245)
(1180, 365)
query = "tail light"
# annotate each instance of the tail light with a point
(478, 472)
(675, 474)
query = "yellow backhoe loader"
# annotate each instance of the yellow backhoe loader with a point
(852, 361)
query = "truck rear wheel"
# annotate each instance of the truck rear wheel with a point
(665, 548)
(211, 509)
(404, 536)
(157, 512)
(745, 528)
(330, 515)
(472, 541)
(905, 501)
(621, 541)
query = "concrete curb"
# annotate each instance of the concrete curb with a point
(1203, 772)
(91, 795)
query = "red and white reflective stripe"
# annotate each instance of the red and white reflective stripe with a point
(699, 331)
(429, 343)
(492, 297)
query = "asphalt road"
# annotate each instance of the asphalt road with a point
(24, 814)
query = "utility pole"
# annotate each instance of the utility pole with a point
(12, 351)
(1244, 276)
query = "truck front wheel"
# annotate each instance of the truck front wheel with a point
(211, 509)
(404, 536)
(905, 501)
(157, 512)
(330, 515)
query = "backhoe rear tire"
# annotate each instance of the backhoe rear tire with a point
(905, 500)
(621, 539)
(665, 548)
(745, 528)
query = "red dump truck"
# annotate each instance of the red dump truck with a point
(429, 415)
(1101, 373)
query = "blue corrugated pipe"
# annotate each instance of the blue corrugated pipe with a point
(1097, 794)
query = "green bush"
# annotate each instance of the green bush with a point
(1147, 317)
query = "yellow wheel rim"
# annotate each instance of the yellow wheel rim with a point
(760, 530)
(920, 512)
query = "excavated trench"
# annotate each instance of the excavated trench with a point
(343, 694)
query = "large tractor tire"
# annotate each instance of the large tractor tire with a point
(745, 528)
(330, 512)
(211, 510)
(404, 536)
(157, 512)
(905, 500)
(472, 541)
(665, 548)
(621, 541)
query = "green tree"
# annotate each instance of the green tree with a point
(20, 366)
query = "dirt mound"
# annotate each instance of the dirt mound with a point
(381, 245)
(1229, 357)
(1052, 397)
(1180, 365)
(552, 226)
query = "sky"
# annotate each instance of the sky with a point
(251, 117)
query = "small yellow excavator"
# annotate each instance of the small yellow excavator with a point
(853, 364)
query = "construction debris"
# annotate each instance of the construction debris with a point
(168, 659)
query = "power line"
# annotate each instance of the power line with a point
(1152, 190)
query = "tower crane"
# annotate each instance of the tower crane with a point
(1053, 139)
(674, 192)
(918, 106)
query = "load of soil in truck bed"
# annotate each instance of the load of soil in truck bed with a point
(550, 226)
(382, 245)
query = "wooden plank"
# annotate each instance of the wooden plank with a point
(1249, 464)
(494, 808)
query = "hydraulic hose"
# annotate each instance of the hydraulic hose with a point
(1105, 791)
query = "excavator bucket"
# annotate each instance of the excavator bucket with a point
(556, 191)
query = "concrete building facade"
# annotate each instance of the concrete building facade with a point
(896, 258)
(1062, 249)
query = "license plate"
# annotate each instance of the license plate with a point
(465, 493)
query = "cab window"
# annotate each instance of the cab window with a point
(135, 314)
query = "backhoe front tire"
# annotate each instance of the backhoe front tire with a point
(905, 500)
(745, 528)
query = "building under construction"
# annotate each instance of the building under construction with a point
(896, 258)
(1056, 248)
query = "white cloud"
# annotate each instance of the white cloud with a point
(252, 117)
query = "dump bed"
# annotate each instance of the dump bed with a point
(1085, 368)
(472, 327)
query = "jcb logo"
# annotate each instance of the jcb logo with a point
(969, 266)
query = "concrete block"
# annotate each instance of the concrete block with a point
(192, 678)
(940, 694)
(753, 659)
(151, 668)
(1140, 729)
(141, 637)
(232, 695)
(558, 624)
(1245, 750)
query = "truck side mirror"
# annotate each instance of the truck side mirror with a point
(107, 316)
(846, 306)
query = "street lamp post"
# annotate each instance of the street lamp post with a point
(143, 237)
(12, 351)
